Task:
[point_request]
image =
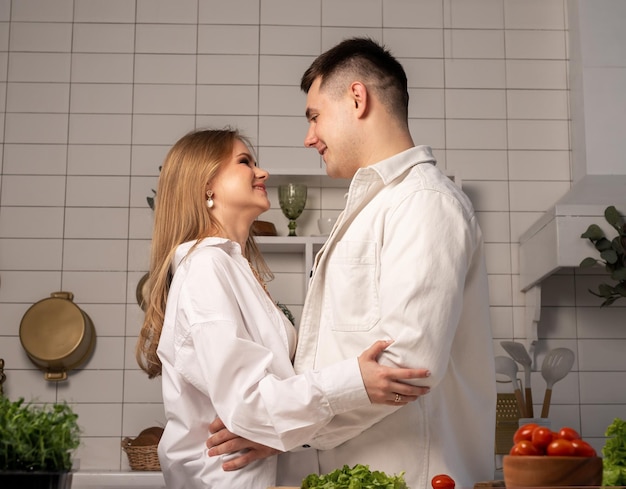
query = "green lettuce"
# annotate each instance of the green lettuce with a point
(357, 477)
(614, 454)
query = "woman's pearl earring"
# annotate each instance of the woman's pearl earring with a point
(209, 200)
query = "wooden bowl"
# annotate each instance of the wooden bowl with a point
(548, 471)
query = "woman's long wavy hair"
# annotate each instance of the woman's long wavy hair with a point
(181, 215)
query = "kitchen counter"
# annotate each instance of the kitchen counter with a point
(119, 480)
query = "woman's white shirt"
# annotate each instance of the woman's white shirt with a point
(226, 351)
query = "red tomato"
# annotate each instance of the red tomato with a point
(583, 449)
(524, 432)
(561, 448)
(542, 437)
(442, 481)
(525, 447)
(568, 433)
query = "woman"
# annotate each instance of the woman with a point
(214, 333)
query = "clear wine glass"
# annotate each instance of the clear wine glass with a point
(292, 198)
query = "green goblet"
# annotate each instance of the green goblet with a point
(292, 198)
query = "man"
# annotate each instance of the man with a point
(404, 261)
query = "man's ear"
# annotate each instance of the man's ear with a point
(359, 95)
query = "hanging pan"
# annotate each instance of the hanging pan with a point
(57, 335)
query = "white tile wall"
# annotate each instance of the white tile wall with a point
(115, 11)
(473, 43)
(537, 104)
(286, 12)
(103, 38)
(29, 159)
(167, 12)
(40, 11)
(40, 37)
(416, 13)
(232, 12)
(95, 91)
(165, 38)
(101, 98)
(105, 68)
(37, 97)
(352, 13)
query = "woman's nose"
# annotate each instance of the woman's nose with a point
(261, 174)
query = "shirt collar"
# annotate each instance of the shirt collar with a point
(391, 168)
(182, 250)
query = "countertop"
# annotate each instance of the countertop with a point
(120, 480)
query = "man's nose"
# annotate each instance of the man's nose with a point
(310, 139)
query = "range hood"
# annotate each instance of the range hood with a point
(597, 77)
(554, 242)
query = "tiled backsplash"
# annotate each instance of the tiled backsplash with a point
(94, 92)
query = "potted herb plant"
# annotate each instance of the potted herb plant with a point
(612, 255)
(36, 444)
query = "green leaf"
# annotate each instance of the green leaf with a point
(609, 256)
(614, 454)
(609, 301)
(605, 290)
(619, 274)
(357, 477)
(593, 233)
(588, 262)
(612, 255)
(603, 244)
(618, 244)
(611, 475)
(613, 217)
(36, 437)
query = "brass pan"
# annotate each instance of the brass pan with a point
(143, 292)
(57, 335)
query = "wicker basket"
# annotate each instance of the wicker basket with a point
(507, 422)
(141, 457)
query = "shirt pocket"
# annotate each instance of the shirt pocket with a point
(351, 286)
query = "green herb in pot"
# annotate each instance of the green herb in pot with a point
(37, 438)
(614, 454)
(357, 477)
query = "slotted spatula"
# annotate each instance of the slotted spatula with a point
(556, 365)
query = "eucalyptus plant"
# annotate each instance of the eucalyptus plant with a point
(37, 437)
(612, 256)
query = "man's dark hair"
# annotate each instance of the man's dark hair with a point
(364, 59)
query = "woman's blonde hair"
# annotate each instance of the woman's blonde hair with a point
(181, 215)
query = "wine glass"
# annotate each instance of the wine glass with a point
(292, 198)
